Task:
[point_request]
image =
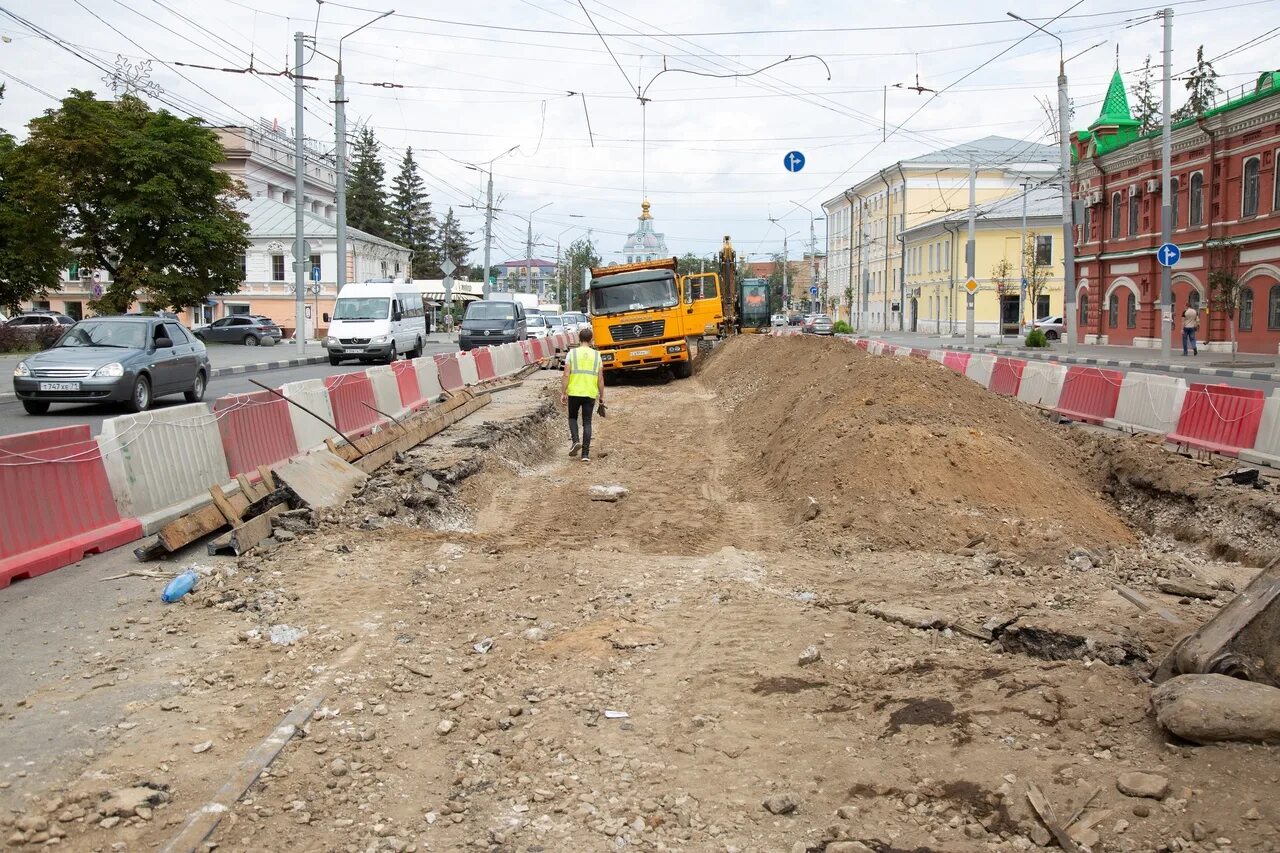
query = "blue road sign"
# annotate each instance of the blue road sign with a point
(1168, 255)
(315, 273)
(813, 291)
(794, 161)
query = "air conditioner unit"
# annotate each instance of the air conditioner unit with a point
(1095, 198)
(1133, 190)
(1153, 186)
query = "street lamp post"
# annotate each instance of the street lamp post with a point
(528, 248)
(560, 278)
(813, 257)
(488, 214)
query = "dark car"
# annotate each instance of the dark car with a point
(489, 322)
(129, 359)
(248, 329)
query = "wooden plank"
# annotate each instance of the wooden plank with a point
(249, 489)
(249, 534)
(268, 479)
(420, 433)
(1050, 820)
(229, 512)
(192, 526)
(217, 546)
(150, 550)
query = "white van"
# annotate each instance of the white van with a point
(377, 320)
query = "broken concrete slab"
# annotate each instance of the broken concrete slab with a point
(321, 479)
(1138, 784)
(906, 614)
(1186, 587)
(1212, 708)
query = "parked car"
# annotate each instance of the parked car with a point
(490, 321)
(779, 320)
(1053, 327)
(555, 323)
(248, 329)
(40, 318)
(537, 326)
(795, 320)
(819, 324)
(577, 319)
(131, 359)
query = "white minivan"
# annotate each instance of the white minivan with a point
(377, 320)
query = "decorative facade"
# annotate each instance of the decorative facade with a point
(644, 244)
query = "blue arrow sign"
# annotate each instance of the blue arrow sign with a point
(794, 161)
(315, 273)
(1168, 255)
(813, 291)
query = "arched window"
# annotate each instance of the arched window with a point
(1249, 192)
(1193, 299)
(1273, 308)
(1173, 204)
(1244, 312)
(1195, 202)
(1084, 309)
(1113, 310)
(1115, 216)
(1131, 311)
(1134, 208)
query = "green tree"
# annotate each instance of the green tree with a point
(691, 264)
(1224, 281)
(366, 197)
(1037, 266)
(1202, 88)
(1146, 108)
(139, 197)
(452, 242)
(777, 295)
(581, 255)
(410, 219)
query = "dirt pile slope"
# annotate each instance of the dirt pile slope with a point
(905, 453)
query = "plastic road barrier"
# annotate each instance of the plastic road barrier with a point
(938, 355)
(959, 362)
(467, 365)
(1090, 394)
(1006, 376)
(428, 378)
(411, 397)
(1041, 383)
(161, 463)
(450, 371)
(1221, 418)
(484, 364)
(1148, 403)
(256, 430)
(56, 504)
(862, 344)
(312, 393)
(1266, 447)
(351, 396)
(386, 388)
(979, 368)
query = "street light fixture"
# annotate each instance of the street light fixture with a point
(528, 254)
(488, 213)
(559, 262)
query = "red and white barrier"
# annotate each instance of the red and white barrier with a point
(1148, 403)
(310, 432)
(428, 378)
(1041, 383)
(1220, 418)
(467, 366)
(386, 389)
(450, 372)
(1090, 394)
(1006, 376)
(1266, 447)
(256, 430)
(412, 398)
(353, 403)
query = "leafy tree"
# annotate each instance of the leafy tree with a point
(776, 277)
(1202, 88)
(139, 197)
(1146, 108)
(1037, 268)
(411, 222)
(452, 242)
(366, 198)
(1224, 281)
(691, 264)
(581, 255)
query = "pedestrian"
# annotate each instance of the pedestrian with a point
(1190, 322)
(448, 323)
(582, 389)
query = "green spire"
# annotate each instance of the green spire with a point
(1115, 125)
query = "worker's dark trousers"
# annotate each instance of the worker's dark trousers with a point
(587, 406)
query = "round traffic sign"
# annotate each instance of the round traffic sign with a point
(794, 161)
(1168, 255)
(813, 291)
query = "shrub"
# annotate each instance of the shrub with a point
(27, 339)
(1036, 338)
(842, 328)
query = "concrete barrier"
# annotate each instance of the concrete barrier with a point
(1041, 383)
(161, 463)
(979, 368)
(256, 429)
(467, 367)
(1266, 448)
(56, 503)
(428, 378)
(1148, 403)
(310, 432)
(386, 389)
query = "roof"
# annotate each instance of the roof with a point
(528, 262)
(989, 150)
(1042, 202)
(1115, 106)
(270, 218)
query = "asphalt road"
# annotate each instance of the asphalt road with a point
(13, 419)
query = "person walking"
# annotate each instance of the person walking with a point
(448, 323)
(1190, 322)
(582, 389)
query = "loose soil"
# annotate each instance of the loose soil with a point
(536, 671)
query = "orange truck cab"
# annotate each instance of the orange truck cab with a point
(638, 317)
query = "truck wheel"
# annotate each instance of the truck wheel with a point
(682, 369)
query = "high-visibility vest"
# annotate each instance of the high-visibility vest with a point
(584, 367)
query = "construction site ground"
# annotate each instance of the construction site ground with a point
(847, 603)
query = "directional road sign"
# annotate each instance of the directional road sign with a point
(971, 285)
(1168, 255)
(315, 273)
(813, 291)
(794, 161)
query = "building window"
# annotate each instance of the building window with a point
(1273, 308)
(1275, 192)
(1195, 201)
(1245, 311)
(1131, 311)
(1193, 299)
(1084, 225)
(244, 267)
(277, 267)
(74, 310)
(1173, 204)
(1115, 216)
(1042, 305)
(1044, 250)
(1113, 310)
(384, 269)
(1133, 214)
(1084, 309)
(1249, 198)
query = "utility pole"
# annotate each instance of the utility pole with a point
(786, 288)
(299, 188)
(864, 273)
(813, 257)
(1022, 262)
(488, 233)
(1166, 207)
(528, 259)
(970, 252)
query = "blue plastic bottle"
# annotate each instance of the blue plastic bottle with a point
(179, 586)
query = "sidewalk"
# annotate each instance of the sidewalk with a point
(1255, 366)
(229, 359)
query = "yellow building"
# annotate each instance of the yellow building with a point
(867, 223)
(936, 267)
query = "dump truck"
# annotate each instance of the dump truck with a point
(638, 317)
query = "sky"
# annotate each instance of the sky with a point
(475, 79)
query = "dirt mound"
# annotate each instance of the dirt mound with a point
(905, 453)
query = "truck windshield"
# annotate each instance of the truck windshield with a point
(362, 308)
(609, 298)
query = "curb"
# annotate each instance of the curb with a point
(234, 370)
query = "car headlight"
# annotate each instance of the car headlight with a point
(606, 356)
(22, 369)
(114, 369)
(330, 341)
(380, 339)
(674, 348)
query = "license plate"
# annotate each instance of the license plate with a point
(638, 352)
(355, 349)
(59, 386)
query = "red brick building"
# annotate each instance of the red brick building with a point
(1226, 219)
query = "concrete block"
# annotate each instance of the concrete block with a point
(321, 479)
(1148, 403)
(979, 368)
(309, 431)
(1042, 383)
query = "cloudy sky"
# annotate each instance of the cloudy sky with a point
(478, 78)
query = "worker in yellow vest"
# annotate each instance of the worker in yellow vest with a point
(582, 389)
